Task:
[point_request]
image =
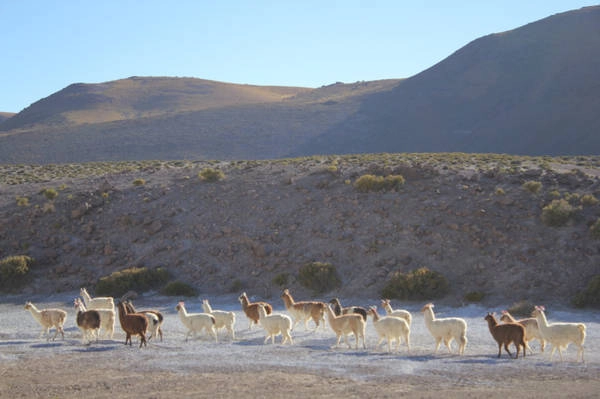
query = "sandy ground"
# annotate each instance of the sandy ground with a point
(31, 367)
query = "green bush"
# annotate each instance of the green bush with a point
(281, 280)
(418, 284)
(590, 297)
(521, 308)
(533, 187)
(319, 277)
(22, 201)
(588, 200)
(211, 175)
(179, 288)
(236, 285)
(135, 278)
(50, 193)
(14, 272)
(367, 183)
(557, 213)
(474, 296)
(139, 182)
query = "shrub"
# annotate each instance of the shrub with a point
(421, 283)
(595, 229)
(521, 308)
(533, 187)
(588, 200)
(319, 277)
(367, 183)
(590, 297)
(14, 272)
(135, 278)
(500, 191)
(557, 213)
(50, 193)
(236, 285)
(281, 280)
(474, 296)
(179, 288)
(22, 201)
(211, 175)
(139, 182)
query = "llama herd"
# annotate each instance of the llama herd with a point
(96, 315)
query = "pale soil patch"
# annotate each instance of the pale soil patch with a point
(32, 367)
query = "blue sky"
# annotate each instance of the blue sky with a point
(47, 45)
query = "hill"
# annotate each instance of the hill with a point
(528, 91)
(5, 115)
(468, 217)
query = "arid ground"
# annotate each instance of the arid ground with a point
(31, 367)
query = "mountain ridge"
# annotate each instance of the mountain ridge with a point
(531, 91)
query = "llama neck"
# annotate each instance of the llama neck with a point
(375, 315)
(207, 307)
(288, 300)
(541, 319)
(491, 323)
(86, 296)
(387, 307)
(428, 315)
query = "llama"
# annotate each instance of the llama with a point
(390, 328)
(304, 311)
(560, 335)
(155, 319)
(405, 314)
(88, 321)
(251, 309)
(275, 324)
(132, 324)
(339, 310)
(107, 318)
(507, 333)
(48, 318)
(223, 319)
(196, 322)
(96, 303)
(345, 324)
(532, 331)
(446, 329)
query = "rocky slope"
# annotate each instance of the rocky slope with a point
(467, 217)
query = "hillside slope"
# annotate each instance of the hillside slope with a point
(467, 217)
(532, 90)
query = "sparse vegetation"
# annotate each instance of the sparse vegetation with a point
(588, 200)
(557, 213)
(135, 278)
(211, 175)
(533, 187)
(319, 277)
(179, 288)
(22, 201)
(419, 284)
(50, 193)
(367, 183)
(139, 182)
(474, 296)
(595, 229)
(281, 280)
(590, 297)
(14, 272)
(521, 308)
